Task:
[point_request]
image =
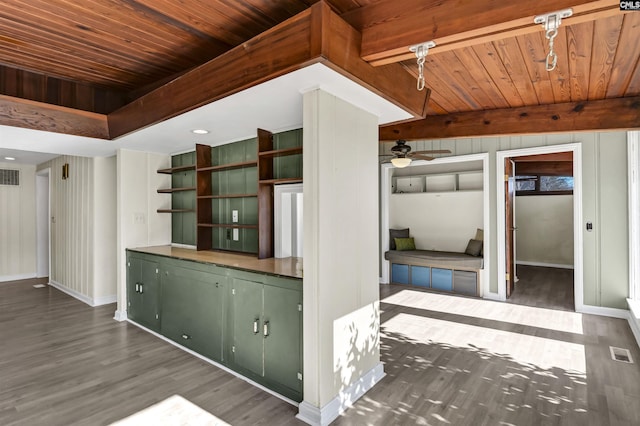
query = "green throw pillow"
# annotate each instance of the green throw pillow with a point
(404, 244)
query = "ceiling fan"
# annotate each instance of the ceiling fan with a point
(402, 155)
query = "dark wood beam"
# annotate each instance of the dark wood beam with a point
(317, 35)
(28, 114)
(538, 158)
(389, 27)
(547, 168)
(607, 114)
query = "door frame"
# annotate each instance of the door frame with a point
(578, 249)
(278, 192)
(386, 173)
(43, 173)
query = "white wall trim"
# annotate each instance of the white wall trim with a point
(81, 297)
(544, 265)
(492, 296)
(278, 191)
(634, 319)
(44, 173)
(214, 363)
(315, 416)
(120, 315)
(386, 172)
(633, 173)
(578, 249)
(604, 312)
(18, 277)
(105, 300)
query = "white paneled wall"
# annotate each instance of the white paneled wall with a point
(18, 225)
(82, 209)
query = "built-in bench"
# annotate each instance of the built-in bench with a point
(436, 270)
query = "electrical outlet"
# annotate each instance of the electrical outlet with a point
(234, 216)
(236, 234)
(139, 218)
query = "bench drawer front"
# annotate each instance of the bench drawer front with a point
(465, 282)
(400, 273)
(442, 279)
(421, 276)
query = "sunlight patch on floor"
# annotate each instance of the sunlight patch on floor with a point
(570, 322)
(541, 353)
(173, 411)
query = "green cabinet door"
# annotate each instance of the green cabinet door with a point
(143, 292)
(192, 309)
(246, 323)
(282, 344)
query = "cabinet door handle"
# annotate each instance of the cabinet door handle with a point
(265, 329)
(137, 287)
(186, 337)
(255, 325)
(141, 288)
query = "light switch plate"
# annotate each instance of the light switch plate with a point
(236, 234)
(234, 216)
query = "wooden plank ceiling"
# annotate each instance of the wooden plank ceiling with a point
(99, 55)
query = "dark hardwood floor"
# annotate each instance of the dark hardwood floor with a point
(550, 288)
(449, 360)
(65, 363)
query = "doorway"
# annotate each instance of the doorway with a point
(288, 224)
(559, 158)
(43, 234)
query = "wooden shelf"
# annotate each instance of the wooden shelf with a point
(176, 210)
(228, 166)
(209, 197)
(282, 180)
(281, 152)
(177, 169)
(226, 225)
(171, 190)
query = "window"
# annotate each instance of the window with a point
(544, 185)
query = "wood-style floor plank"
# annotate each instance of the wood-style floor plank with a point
(449, 360)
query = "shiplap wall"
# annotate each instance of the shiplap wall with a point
(83, 227)
(604, 162)
(18, 225)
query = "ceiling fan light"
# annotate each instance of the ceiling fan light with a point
(400, 162)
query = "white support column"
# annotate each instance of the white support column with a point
(341, 296)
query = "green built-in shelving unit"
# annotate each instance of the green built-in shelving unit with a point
(230, 178)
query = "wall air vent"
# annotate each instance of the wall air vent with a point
(9, 177)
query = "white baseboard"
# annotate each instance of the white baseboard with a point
(544, 265)
(634, 319)
(220, 366)
(18, 277)
(492, 296)
(81, 297)
(605, 312)
(120, 315)
(315, 416)
(105, 300)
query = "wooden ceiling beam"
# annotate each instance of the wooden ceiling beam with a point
(606, 114)
(547, 168)
(316, 35)
(34, 115)
(389, 27)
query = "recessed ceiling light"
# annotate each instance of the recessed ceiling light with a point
(200, 131)
(9, 158)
